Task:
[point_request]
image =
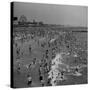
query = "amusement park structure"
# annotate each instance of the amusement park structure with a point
(22, 21)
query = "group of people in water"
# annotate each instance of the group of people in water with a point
(44, 66)
(44, 63)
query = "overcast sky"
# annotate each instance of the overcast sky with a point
(53, 14)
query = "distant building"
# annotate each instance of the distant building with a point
(15, 20)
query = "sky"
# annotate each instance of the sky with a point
(53, 14)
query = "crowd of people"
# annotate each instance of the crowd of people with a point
(51, 45)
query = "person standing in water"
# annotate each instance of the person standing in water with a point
(18, 52)
(29, 80)
(18, 68)
(30, 48)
